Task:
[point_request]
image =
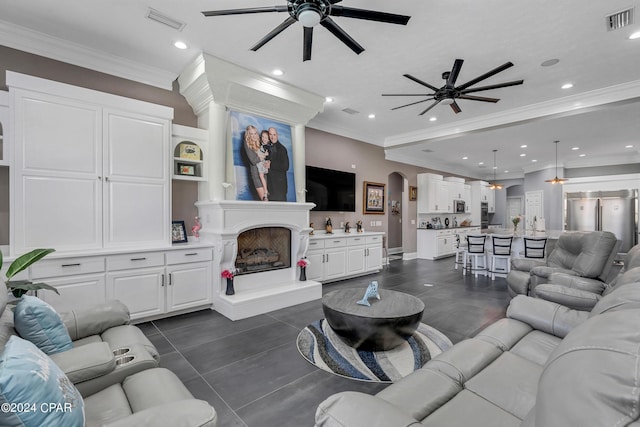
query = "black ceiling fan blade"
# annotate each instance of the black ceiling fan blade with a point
(345, 38)
(485, 75)
(455, 70)
(308, 41)
(245, 11)
(370, 15)
(280, 28)
(408, 94)
(429, 108)
(478, 98)
(410, 77)
(413, 103)
(334, 1)
(496, 86)
(455, 107)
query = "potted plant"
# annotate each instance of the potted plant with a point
(228, 274)
(21, 287)
(303, 264)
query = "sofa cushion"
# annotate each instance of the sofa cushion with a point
(592, 377)
(469, 409)
(623, 297)
(536, 347)
(28, 376)
(154, 387)
(6, 328)
(38, 322)
(107, 406)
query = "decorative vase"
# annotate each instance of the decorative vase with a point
(230, 290)
(303, 274)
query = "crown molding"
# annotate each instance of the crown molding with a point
(569, 105)
(37, 43)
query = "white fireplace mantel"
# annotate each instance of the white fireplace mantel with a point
(257, 293)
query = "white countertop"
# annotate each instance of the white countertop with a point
(321, 234)
(550, 234)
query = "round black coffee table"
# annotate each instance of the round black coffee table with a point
(383, 326)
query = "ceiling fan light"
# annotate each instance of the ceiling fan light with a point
(447, 101)
(309, 18)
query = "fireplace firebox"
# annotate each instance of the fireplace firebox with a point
(263, 249)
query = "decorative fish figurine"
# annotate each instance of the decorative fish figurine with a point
(372, 292)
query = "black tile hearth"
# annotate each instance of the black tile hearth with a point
(251, 372)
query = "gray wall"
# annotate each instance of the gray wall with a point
(552, 196)
(394, 228)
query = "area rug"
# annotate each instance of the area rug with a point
(320, 345)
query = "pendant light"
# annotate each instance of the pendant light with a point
(495, 185)
(556, 180)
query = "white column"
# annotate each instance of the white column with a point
(299, 162)
(215, 120)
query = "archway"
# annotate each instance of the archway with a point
(396, 218)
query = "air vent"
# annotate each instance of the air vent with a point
(620, 19)
(154, 15)
(350, 111)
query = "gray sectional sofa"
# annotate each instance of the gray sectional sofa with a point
(544, 365)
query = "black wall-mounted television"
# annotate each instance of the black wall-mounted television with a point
(331, 190)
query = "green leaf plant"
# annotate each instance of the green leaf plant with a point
(21, 287)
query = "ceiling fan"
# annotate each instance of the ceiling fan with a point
(449, 93)
(311, 13)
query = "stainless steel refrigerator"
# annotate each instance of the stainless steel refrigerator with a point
(615, 211)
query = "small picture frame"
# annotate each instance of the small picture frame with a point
(178, 232)
(413, 193)
(373, 198)
(189, 151)
(184, 169)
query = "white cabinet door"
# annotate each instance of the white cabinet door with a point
(335, 263)
(75, 291)
(491, 201)
(188, 285)
(467, 198)
(58, 187)
(443, 245)
(137, 170)
(373, 258)
(315, 270)
(444, 202)
(356, 259)
(142, 290)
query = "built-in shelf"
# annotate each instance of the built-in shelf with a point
(189, 146)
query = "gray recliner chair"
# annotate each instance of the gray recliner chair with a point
(116, 398)
(581, 293)
(578, 253)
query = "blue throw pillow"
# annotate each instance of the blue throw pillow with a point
(38, 322)
(34, 392)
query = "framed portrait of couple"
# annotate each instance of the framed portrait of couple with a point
(262, 158)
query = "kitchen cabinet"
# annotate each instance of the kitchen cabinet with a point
(467, 198)
(433, 194)
(435, 244)
(343, 255)
(91, 169)
(455, 190)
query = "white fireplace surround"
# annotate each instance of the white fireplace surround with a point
(257, 293)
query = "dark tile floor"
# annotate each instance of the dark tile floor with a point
(251, 372)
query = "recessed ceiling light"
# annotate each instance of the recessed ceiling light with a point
(635, 35)
(465, 158)
(533, 160)
(628, 146)
(372, 116)
(180, 45)
(481, 163)
(432, 119)
(277, 72)
(550, 62)
(567, 86)
(329, 99)
(506, 171)
(523, 155)
(575, 148)
(582, 155)
(495, 167)
(523, 146)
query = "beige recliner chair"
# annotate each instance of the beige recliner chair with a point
(578, 253)
(110, 393)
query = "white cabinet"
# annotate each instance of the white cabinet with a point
(150, 289)
(91, 169)
(467, 198)
(491, 200)
(456, 189)
(334, 258)
(434, 244)
(433, 194)
(79, 280)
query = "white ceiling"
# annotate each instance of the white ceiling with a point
(600, 114)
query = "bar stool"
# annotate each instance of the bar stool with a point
(500, 251)
(475, 258)
(459, 251)
(534, 247)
